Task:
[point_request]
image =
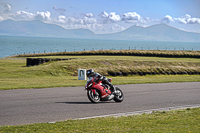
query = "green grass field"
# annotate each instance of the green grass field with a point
(179, 121)
(15, 74)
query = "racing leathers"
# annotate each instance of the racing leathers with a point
(99, 77)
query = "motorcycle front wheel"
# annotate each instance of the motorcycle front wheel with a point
(119, 96)
(94, 98)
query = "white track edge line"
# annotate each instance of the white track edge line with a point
(138, 112)
(143, 111)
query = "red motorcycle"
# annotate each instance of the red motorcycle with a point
(96, 91)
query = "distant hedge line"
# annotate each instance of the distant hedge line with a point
(143, 73)
(150, 53)
(38, 61)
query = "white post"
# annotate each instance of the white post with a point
(82, 74)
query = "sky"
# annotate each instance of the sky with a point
(105, 16)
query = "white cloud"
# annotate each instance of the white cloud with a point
(7, 7)
(167, 19)
(1, 18)
(107, 22)
(89, 20)
(194, 21)
(59, 9)
(111, 17)
(187, 16)
(23, 15)
(89, 15)
(61, 19)
(130, 16)
(73, 20)
(187, 19)
(43, 15)
(183, 19)
(104, 14)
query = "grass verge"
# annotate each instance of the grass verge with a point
(179, 121)
(149, 53)
(15, 75)
(72, 81)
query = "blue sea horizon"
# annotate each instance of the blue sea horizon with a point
(10, 45)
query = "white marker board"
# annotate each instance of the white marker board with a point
(82, 74)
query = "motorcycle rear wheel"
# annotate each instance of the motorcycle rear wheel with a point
(119, 97)
(94, 98)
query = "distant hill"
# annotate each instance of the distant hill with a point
(40, 29)
(159, 32)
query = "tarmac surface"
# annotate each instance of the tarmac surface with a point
(26, 106)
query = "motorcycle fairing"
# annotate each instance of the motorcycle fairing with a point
(104, 92)
(98, 86)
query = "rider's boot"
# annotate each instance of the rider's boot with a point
(112, 88)
(111, 97)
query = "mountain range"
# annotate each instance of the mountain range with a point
(38, 28)
(159, 32)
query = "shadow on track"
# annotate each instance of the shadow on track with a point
(75, 102)
(83, 102)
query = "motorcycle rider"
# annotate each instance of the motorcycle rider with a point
(99, 77)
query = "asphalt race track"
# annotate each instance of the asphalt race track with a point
(25, 106)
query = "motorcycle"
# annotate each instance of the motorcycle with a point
(96, 92)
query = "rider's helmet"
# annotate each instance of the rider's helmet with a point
(90, 72)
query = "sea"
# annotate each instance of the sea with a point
(10, 46)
